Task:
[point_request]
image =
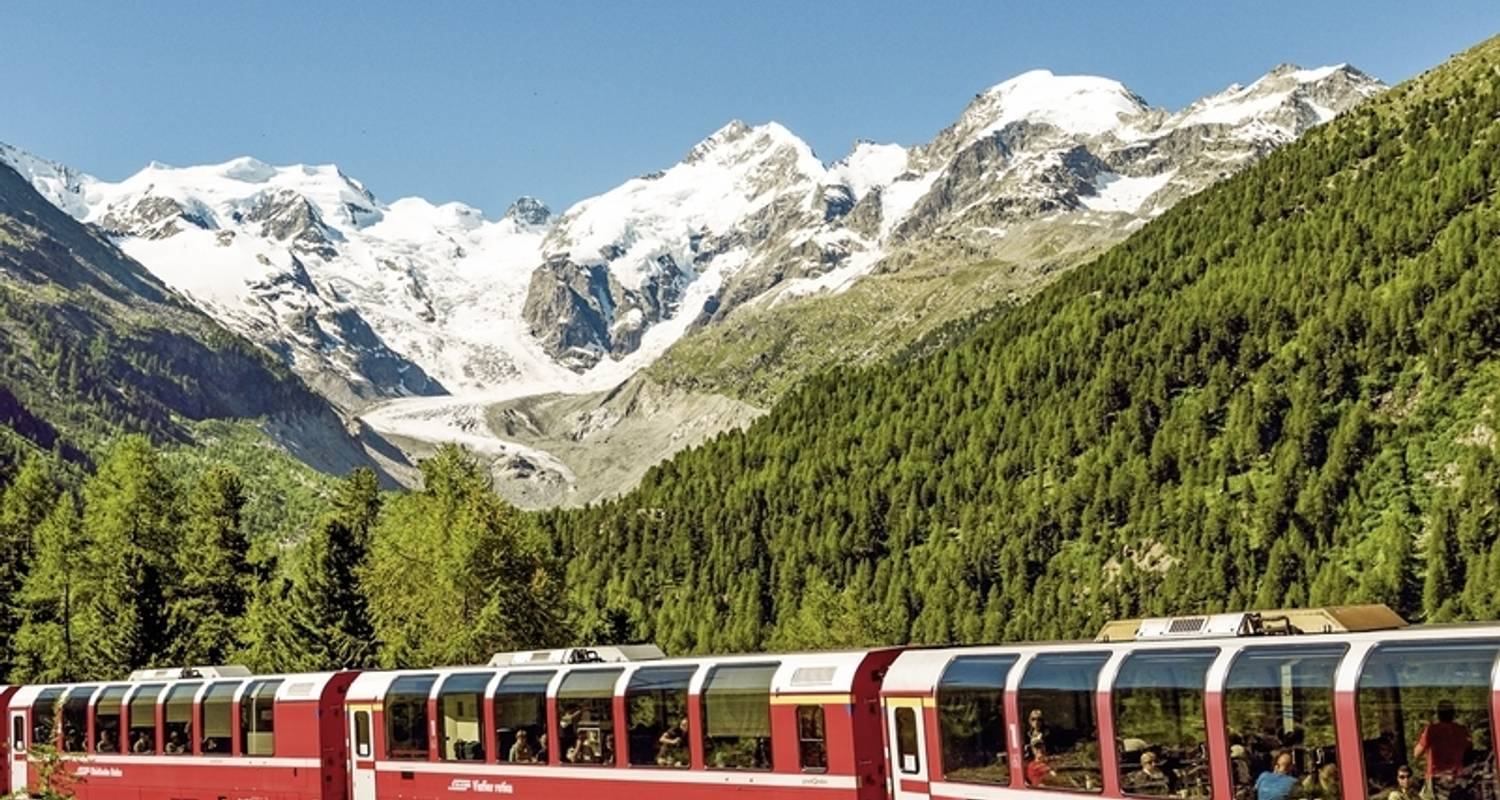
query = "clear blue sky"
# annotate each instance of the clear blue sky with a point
(483, 101)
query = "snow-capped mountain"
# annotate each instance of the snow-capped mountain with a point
(370, 301)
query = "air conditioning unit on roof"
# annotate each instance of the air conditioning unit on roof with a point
(579, 655)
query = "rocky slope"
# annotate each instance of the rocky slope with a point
(749, 263)
(92, 345)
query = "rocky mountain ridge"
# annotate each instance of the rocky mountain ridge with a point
(372, 302)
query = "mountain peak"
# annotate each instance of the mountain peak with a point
(528, 210)
(1083, 104)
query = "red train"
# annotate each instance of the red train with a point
(1321, 704)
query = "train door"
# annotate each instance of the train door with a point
(18, 769)
(361, 754)
(907, 737)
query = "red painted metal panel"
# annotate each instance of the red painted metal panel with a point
(1350, 746)
(1221, 781)
(1109, 754)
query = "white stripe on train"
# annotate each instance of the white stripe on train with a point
(647, 775)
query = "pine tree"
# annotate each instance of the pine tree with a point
(213, 590)
(327, 608)
(25, 503)
(53, 635)
(454, 575)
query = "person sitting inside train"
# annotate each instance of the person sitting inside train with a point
(175, 745)
(586, 750)
(1039, 771)
(1446, 744)
(106, 743)
(141, 743)
(1151, 778)
(1036, 727)
(541, 749)
(1280, 783)
(672, 746)
(1406, 786)
(522, 752)
(1324, 785)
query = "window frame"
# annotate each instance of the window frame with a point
(479, 695)
(1208, 655)
(431, 678)
(908, 716)
(86, 694)
(153, 692)
(191, 689)
(1339, 651)
(634, 689)
(704, 697)
(96, 705)
(200, 732)
(524, 683)
(18, 733)
(1417, 644)
(53, 696)
(251, 695)
(802, 741)
(1006, 663)
(606, 732)
(1045, 659)
(364, 746)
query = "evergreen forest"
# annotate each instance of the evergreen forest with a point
(1282, 392)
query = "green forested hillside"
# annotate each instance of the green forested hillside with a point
(93, 346)
(1283, 391)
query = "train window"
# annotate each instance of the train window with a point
(107, 719)
(362, 734)
(971, 719)
(1160, 723)
(1062, 733)
(656, 702)
(44, 718)
(906, 741)
(75, 719)
(1280, 700)
(461, 712)
(737, 717)
(521, 717)
(177, 720)
(258, 718)
(812, 739)
(586, 716)
(142, 720)
(1426, 707)
(18, 734)
(216, 722)
(406, 717)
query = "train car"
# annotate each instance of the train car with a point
(1327, 704)
(605, 723)
(212, 733)
(5, 746)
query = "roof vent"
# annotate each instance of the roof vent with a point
(1281, 622)
(580, 655)
(813, 676)
(179, 673)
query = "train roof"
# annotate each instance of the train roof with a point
(919, 669)
(796, 673)
(294, 687)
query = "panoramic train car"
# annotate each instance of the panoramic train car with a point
(1322, 704)
(544, 725)
(214, 733)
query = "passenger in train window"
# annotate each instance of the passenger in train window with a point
(1151, 779)
(1381, 762)
(672, 745)
(175, 745)
(1324, 785)
(541, 749)
(141, 744)
(586, 751)
(1280, 783)
(1446, 743)
(106, 743)
(1039, 770)
(1406, 786)
(522, 752)
(1239, 764)
(1036, 727)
